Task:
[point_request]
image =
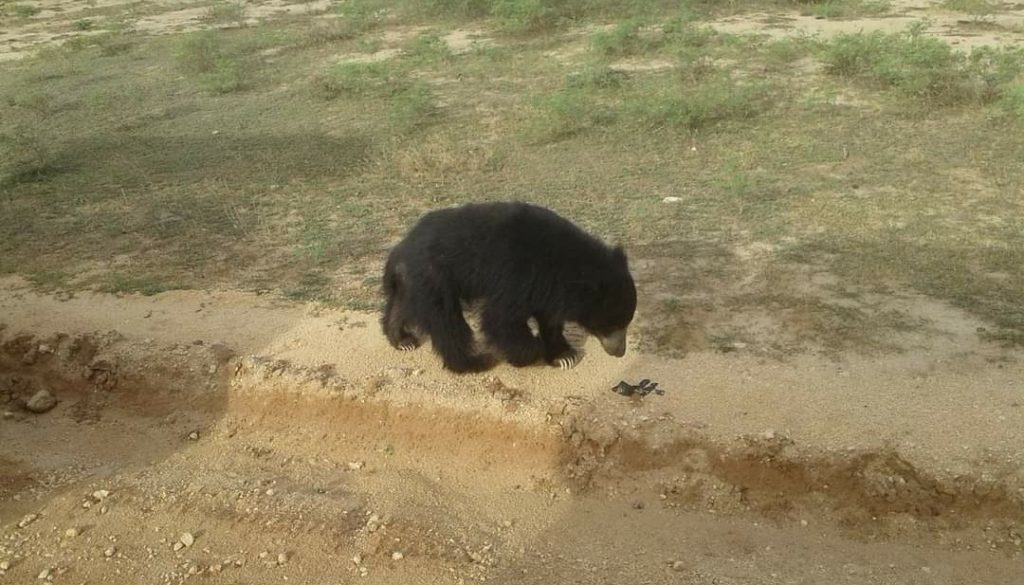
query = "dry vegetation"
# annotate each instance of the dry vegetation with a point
(288, 153)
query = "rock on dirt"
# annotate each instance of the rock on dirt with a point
(27, 520)
(42, 401)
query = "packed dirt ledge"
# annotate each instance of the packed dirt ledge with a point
(231, 437)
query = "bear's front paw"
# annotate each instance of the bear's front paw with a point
(567, 360)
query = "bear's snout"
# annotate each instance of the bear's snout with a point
(614, 344)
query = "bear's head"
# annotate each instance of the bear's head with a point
(609, 303)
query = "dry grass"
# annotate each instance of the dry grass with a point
(264, 157)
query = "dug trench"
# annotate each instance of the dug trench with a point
(185, 461)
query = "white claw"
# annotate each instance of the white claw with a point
(567, 363)
(406, 347)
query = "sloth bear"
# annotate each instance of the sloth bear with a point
(519, 261)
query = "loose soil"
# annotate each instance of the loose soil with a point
(291, 443)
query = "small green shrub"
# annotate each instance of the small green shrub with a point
(527, 16)
(367, 79)
(427, 48)
(25, 10)
(621, 41)
(226, 13)
(1013, 100)
(413, 107)
(217, 67)
(923, 66)
(660, 105)
(596, 76)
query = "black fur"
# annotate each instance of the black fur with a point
(521, 261)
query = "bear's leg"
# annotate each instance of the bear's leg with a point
(397, 327)
(395, 321)
(449, 333)
(557, 350)
(511, 336)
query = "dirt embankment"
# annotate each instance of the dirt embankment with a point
(220, 436)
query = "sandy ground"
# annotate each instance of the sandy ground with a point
(232, 438)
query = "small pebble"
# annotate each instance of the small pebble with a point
(803, 523)
(103, 509)
(178, 546)
(41, 402)
(6, 565)
(678, 566)
(397, 556)
(100, 495)
(282, 558)
(373, 524)
(355, 465)
(270, 492)
(264, 554)
(109, 552)
(356, 560)
(28, 520)
(71, 532)
(44, 574)
(187, 539)
(193, 435)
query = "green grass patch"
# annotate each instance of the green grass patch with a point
(427, 48)
(218, 65)
(979, 9)
(1013, 100)
(226, 13)
(118, 283)
(25, 10)
(148, 168)
(659, 105)
(923, 66)
(846, 8)
(374, 79)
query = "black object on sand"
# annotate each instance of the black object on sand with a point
(644, 388)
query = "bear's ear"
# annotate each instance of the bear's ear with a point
(619, 255)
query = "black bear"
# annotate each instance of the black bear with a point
(517, 260)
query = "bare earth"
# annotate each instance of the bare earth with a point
(223, 437)
(293, 444)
